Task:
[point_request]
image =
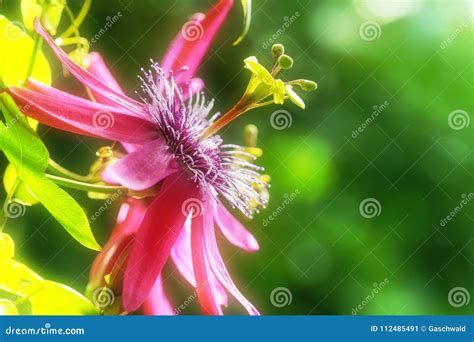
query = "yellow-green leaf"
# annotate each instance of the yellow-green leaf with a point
(16, 50)
(27, 153)
(18, 279)
(7, 247)
(7, 308)
(22, 193)
(58, 299)
(49, 13)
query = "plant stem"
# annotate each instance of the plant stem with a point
(73, 184)
(236, 111)
(61, 171)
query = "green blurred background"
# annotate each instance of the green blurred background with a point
(411, 61)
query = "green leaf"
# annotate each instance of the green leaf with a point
(7, 247)
(49, 13)
(18, 279)
(58, 299)
(29, 156)
(7, 308)
(45, 297)
(22, 193)
(17, 48)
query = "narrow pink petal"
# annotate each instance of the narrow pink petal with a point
(205, 286)
(219, 291)
(87, 79)
(81, 116)
(143, 168)
(158, 303)
(218, 267)
(156, 236)
(234, 231)
(44, 89)
(183, 259)
(181, 254)
(99, 69)
(132, 215)
(189, 48)
(121, 237)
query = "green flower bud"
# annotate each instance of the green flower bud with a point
(278, 50)
(306, 85)
(285, 62)
(250, 135)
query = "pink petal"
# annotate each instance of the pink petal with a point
(181, 254)
(87, 79)
(134, 211)
(143, 168)
(188, 50)
(218, 267)
(156, 236)
(77, 115)
(183, 259)
(234, 231)
(219, 291)
(194, 86)
(99, 69)
(158, 303)
(205, 286)
(119, 241)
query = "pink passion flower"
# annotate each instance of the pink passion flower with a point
(163, 134)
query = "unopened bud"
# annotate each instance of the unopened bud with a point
(278, 50)
(250, 135)
(285, 62)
